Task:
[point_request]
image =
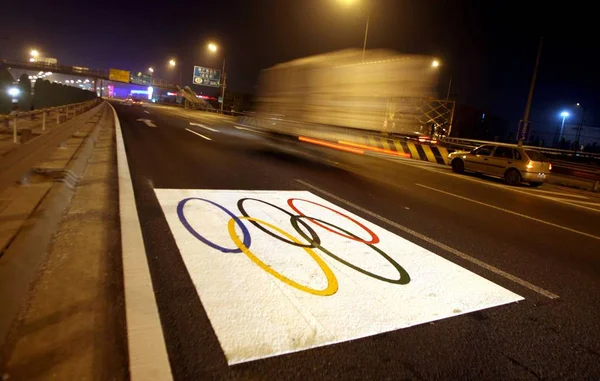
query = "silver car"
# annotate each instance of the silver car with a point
(511, 162)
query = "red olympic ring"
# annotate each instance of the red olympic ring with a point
(374, 237)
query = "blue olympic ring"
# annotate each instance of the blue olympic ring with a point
(245, 232)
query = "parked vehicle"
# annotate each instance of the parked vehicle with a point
(513, 163)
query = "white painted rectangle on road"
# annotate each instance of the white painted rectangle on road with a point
(283, 271)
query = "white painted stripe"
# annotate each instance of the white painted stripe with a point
(203, 126)
(442, 246)
(148, 359)
(559, 193)
(442, 170)
(248, 129)
(511, 212)
(147, 112)
(577, 203)
(593, 203)
(194, 132)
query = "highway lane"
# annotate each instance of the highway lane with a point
(542, 246)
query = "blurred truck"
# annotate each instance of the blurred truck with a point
(340, 93)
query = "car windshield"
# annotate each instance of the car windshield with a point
(535, 155)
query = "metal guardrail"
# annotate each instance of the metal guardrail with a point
(69, 110)
(582, 171)
(552, 151)
(18, 162)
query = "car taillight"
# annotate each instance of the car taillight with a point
(530, 165)
(549, 166)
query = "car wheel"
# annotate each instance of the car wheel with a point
(535, 184)
(458, 166)
(512, 177)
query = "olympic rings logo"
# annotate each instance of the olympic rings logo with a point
(302, 225)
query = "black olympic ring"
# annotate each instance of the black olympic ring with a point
(315, 241)
(404, 277)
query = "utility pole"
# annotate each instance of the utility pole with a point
(532, 86)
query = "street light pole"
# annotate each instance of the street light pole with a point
(449, 87)
(223, 86)
(366, 35)
(532, 85)
(579, 128)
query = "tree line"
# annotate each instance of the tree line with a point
(43, 94)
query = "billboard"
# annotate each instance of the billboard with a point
(140, 78)
(205, 76)
(119, 75)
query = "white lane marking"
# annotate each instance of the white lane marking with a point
(296, 298)
(595, 203)
(577, 203)
(503, 187)
(147, 112)
(248, 129)
(148, 359)
(442, 246)
(510, 212)
(147, 122)
(203, 126)
(194, 132)
(533, 191)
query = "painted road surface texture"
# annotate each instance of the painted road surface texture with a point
(283, 271)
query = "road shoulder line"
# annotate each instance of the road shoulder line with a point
(442, 246)
(510, 212)
(148, 358)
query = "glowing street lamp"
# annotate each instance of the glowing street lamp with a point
(150, 70)
(34, 53)
(172, 63)
(13, 92)
(212, 47)
(435, 63)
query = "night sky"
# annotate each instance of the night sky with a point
(487, 47)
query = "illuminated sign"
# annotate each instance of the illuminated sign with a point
(205, 76)
(118, 75)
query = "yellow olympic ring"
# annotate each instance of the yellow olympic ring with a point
(332, 283)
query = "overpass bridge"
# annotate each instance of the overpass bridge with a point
(80, 71)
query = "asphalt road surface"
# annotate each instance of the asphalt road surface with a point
(540, 244)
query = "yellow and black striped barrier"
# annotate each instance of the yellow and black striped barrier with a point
(388, 145)
(418, 151)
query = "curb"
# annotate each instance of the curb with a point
(148, 358)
